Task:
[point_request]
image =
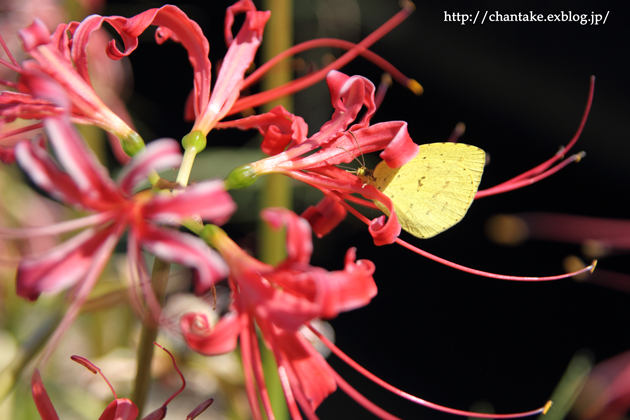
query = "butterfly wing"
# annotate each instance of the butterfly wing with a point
(433, 191)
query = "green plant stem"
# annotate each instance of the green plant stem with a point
(159, 281)
(277, 189)
(27, 351)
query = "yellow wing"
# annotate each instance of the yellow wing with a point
(433, 191)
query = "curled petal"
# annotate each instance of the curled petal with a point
(204, 339)
(34, 35)
(280, 129)
(239, 57)
(62, 266)
(286, 309)
(324, 216)
(241, 6)
(299, 243)
(173, 23)
(349, 289)
(400, 148)
(348, 96)
(184, 249)
(158, 155)
(207, 199)
(385, 233)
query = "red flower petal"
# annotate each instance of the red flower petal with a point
(42, 400)
(183, 249)
(62, 266)
(324, 216)
(120, 409)
(204, 339)
(299, 241)
(207, 199)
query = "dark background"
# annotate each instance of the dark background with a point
(446, 336)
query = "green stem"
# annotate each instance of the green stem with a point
(159, 281)
(26, 352)
(277, 188)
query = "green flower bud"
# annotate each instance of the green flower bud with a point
(194, 139)
(132, 143)
(241, 177)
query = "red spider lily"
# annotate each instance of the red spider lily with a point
(63, 56)
(280, 301)
(85, 185)
(339, 141)
(225, 98)
(120, 408)
(312, 160)
(64, 60)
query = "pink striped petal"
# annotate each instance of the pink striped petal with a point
(81, 164)
(158, 155)
(207, 340)
(207, 199)
(240, 55)
(63, 266)
(184, 249)
(34, 160)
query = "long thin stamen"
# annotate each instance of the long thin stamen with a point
(460, 267)
(178, 372)
(539, 172)
(334, 43)
(419, 251)
(260, 375)
(515, 184)
(358, 397)
(21, 130)
(94, 369)
(304, 82)
(245, 340)
(413, 398)
(13, 65)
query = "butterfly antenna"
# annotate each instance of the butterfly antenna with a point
(359, 146)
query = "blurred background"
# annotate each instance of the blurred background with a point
(449, 337)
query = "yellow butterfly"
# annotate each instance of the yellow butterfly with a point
(434, 190)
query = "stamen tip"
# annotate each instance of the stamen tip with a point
(580, 156)
(415, 87)
(407, 4)
(593, 265)
(547, 406)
